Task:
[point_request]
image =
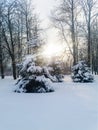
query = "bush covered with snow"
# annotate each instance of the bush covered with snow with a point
(56, 71)
(82, 73)
(33, 78)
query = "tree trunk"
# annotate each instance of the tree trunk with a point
(89, 37)
(97, 60)
(1, 59)
(12, 46)
(73, 35)
(13, 67)
(27, 34)
(1, 63)
(2, 69)
(89, 46)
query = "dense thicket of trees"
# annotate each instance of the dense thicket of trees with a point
(19, 30)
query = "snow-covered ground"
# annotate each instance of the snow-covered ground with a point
(73, 106)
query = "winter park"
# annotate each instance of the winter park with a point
(49, 65)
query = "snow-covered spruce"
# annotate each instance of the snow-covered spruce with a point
(56, 71)
(81, 73)
(33, 78)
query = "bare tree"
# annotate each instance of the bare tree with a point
(94, 39)
(20, 28)
(1, 46)
(65, 18)
(1, 55)
(90, 14)
(27, 12)
(8, 31)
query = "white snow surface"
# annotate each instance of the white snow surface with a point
(73, 106)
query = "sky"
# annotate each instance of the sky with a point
(44, 8)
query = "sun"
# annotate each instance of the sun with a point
(52, 50)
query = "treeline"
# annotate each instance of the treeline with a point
(77, 23)
(19, 32)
